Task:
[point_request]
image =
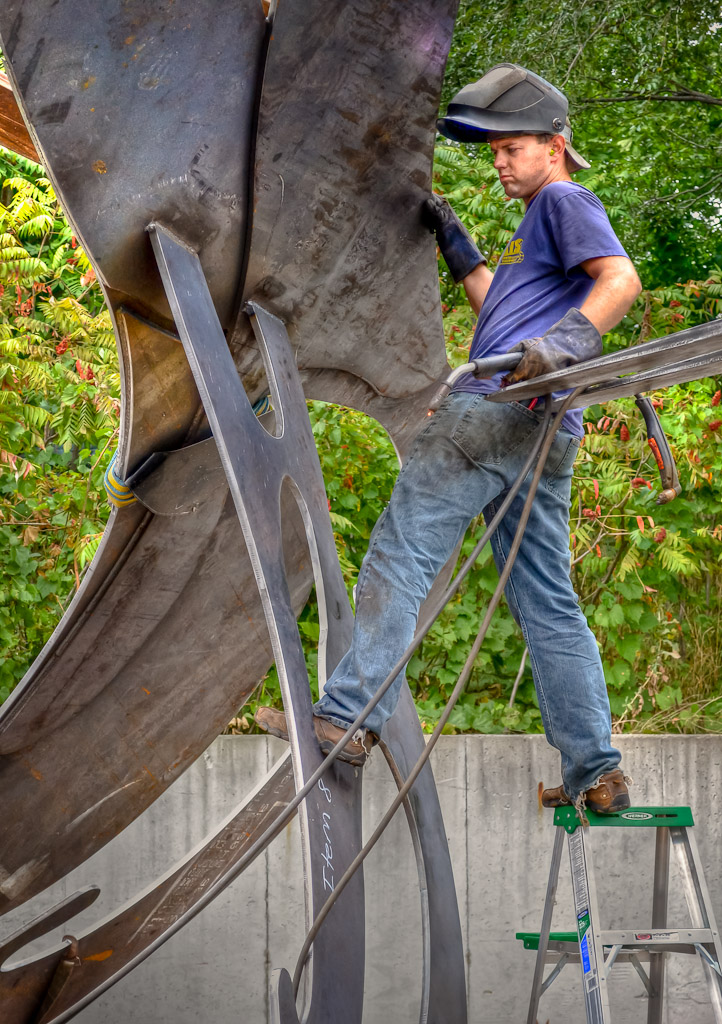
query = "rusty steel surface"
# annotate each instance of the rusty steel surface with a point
(116, 944)
(149, 115)
(342, 162)
(143, 924)
(140, 111)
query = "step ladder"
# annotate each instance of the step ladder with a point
(598, 950)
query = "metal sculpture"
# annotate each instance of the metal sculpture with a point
(274, 177)
(304, 200)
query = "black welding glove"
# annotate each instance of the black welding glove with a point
(573, 339)
(457, 246)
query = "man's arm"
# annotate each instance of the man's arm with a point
(577, 336)
(476, 285)
(616, 286)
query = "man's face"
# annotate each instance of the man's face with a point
(523, 163)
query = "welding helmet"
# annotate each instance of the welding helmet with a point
(509, 100)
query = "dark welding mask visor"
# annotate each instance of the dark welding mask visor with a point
(508, 100)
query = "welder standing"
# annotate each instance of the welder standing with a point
(562, 281)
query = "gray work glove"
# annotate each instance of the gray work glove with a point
(573, 339)
(457, 246)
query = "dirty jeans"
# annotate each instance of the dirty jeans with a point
(463, 462)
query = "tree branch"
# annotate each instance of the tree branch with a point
(683, 96)
(695, 191)
(582, 47)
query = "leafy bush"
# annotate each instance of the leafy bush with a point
(59, 407)
(648, 576)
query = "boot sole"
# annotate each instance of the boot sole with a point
(357, 760)
(273, 732)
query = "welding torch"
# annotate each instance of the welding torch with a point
(491, 365)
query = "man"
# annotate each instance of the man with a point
(563, 281)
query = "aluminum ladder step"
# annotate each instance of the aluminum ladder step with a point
(597, 949)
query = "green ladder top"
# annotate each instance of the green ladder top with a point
(531, 939)
(633, 817)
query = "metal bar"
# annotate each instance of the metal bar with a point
(707, 958)
(258, 467)
(625, 956)
(642, 952)
(658, 355)
(594, 982)
(443, 983)
(634, 961)
(538, 985)
(561, 962)
(609, 962)
(659, 920)
(651, 380)
(700, 907)
(650, 939)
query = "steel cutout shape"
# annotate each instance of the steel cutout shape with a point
(180, 116)
(257, 466)
(185, 523)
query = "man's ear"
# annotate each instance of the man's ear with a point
(558, 144)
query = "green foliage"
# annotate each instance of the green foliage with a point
(648, 576)
(59, 406)
(644, 85)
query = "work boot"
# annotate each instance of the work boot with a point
(355, 752)
(609, 795)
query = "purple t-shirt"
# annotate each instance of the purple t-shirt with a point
(539, 279)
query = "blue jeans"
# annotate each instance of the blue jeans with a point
(463, 462)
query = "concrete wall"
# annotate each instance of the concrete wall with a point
(217, 968)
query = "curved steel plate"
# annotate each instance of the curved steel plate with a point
(126, 631)
(342, 164)
(125, 695)
(144, 923)
(139, 111)
(111, 948)
(259, 466)
(142, 685)
(443, 982)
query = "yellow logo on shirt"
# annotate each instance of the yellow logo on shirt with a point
(513, 253)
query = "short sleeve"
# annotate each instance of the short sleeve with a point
(581, 229)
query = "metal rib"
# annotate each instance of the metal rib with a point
(686, 350)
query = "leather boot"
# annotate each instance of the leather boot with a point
(355, 752)
(610, 794)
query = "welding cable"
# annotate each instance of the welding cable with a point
(273, 830)
(547, 435)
